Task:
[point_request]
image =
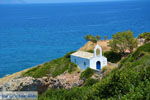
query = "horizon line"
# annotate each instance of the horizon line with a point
(67, 2)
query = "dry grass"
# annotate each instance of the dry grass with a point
(107, 69)
(90, 46)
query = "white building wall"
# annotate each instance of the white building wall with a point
(83, 63)
(94, 60)
(104, 62)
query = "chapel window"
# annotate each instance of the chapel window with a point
(84, 63)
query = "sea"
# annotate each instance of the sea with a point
(31, 34)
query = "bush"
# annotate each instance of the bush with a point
(146, 36)
(92, 38)
(122, 41)
(62, 94)
(68, 54)
(90, 82)
(52, 68)
(112, 56)
(131, 81)
(144, 48)
(87, 73)
(90, 51)
(107, 69)
(127, 78)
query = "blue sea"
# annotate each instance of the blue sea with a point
(31, 34)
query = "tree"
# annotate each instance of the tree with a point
(92, 38)
(113, 57)
(145, 36)
(123, 41)
(105, 37)
(97, 37)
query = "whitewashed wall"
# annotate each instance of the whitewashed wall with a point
(93, 61)
(83, 63)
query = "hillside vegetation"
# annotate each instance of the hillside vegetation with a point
(130, 81)
(52, 68)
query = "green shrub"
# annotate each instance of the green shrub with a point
(90, 82)
(52, 68)
(68, 54)
(87, 73)
(144, 48)
(122, 41)
(131, 81)
(112, 56)
(90, 51)
(146, 36)
(92, 38)
(128, 77)
(62, 94)
(137, 55)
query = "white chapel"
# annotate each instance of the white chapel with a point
(93, 60)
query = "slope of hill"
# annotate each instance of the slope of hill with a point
(131, 80)
(90, 46)
(52, 68)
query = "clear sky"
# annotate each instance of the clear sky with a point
(49, 1)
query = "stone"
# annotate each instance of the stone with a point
(65, 80)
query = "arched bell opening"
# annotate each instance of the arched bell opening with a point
(97, 52)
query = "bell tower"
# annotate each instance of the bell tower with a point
(97, 51)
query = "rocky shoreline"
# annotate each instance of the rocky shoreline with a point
(65, 81)
(16, 82)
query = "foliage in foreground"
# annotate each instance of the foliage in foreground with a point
(131, 81)
(77, 93)
(52, 68)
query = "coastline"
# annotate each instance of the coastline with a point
(87, 46)
(11, 76)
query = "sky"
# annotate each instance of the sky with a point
(48, 1)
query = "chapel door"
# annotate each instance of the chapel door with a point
(98, 65)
